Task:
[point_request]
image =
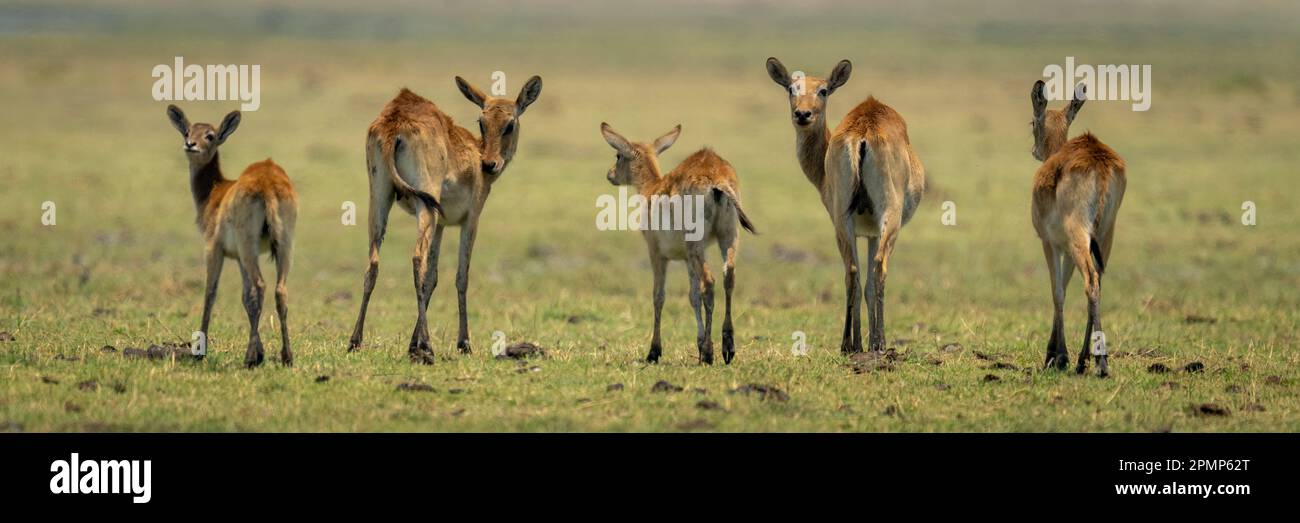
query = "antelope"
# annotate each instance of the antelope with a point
(240, 219)
(439, 172)
(870, 181)
(1076, 196)
(702, 175)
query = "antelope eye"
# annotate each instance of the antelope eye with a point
(821, 92)
(210, 137)
(510, 127)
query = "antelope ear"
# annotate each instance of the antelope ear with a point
(839, 76)
(662, 143)
(1080, 96)
(228, 126)
(777, 71)
(615, 140)
(178, 119)
(532, 89)
(472, 93)
(1037, 99)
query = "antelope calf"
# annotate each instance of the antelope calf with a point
(870, 181)
(703, 175)
(240, 219)
(441, 173)
(1077, 193)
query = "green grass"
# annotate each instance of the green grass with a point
(123, 265)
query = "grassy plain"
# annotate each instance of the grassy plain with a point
(1188, 282)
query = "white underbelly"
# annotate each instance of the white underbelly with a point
(672, 244)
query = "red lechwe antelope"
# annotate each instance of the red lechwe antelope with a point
(1077, 193)
(240, 219)
(442, 174)
(703, 175)
(869, 179)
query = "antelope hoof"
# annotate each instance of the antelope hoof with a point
(354, 344)
(286, 358)
(422, 356)
(464, 347)
(254, 356)
(728, 346)
(706, 351)
(655, 351)
(1103, 370)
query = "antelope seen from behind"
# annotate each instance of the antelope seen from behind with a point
(439, 172)
(870, 181)
(240, 219)
(703, 175)
(1076, 197)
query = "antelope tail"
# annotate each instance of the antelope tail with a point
(860, 202)
(719, 194)
(390, 162)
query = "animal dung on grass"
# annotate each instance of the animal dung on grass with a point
(862, 362)
(415, 387)
(1211, 409)
(1158, 368)
(764, 392)
(521, 350)
(1194, 367)
(664, 386)
(157, 352)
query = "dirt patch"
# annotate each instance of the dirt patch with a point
(614, 387)
(942, 386)
(108, 349)
(1195, 319)
(1004, 366)
(88, 385)
(415, 387)
(1194, 367)
(71, 407)
(522, 350)
(65, 357)
(664, 386)
(1253, 407)
(950, 348)
(1210, 409)
(1273, 380)
(990, 378)
(764, 392)
(1158, 368)
(891, 410)
(1232, 389)
(49, 381)
(322, 378)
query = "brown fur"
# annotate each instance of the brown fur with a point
(702, 174)
(1076, 196)
(438, 171)
(239, 219)
(869, 179)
